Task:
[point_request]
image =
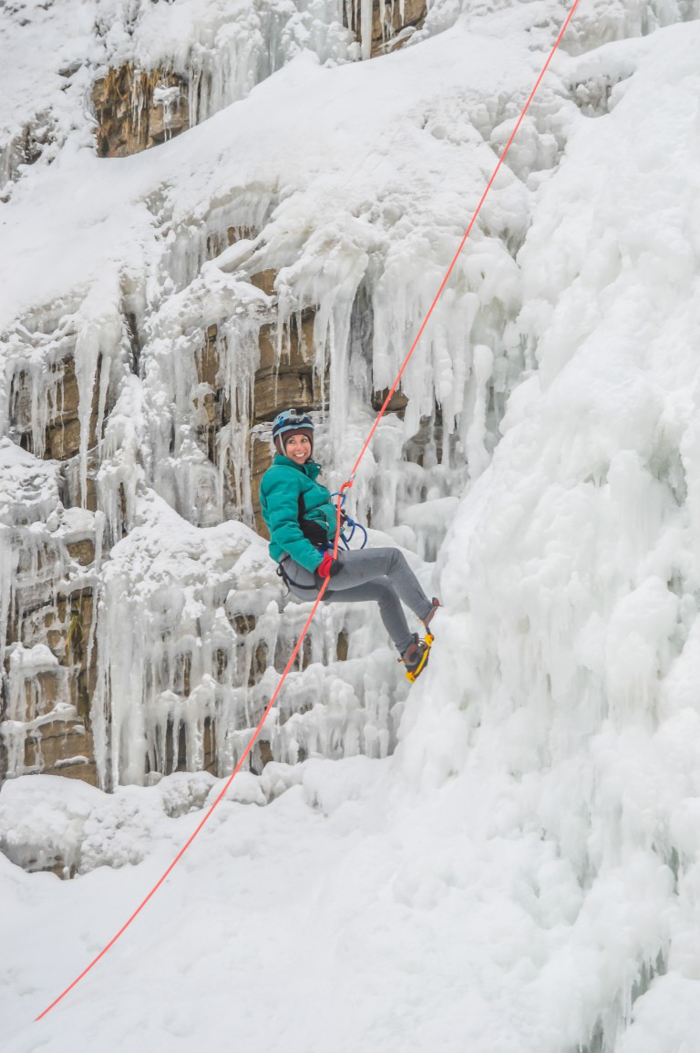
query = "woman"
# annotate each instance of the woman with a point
(301, 518)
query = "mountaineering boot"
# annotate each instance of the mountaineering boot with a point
(429, 617)
(415, 657)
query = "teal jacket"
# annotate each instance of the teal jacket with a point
(280, 488)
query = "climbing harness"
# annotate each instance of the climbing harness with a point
(282, 573)
(346, 486)
(289, 582)
(315, 533)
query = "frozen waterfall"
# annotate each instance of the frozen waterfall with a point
(212, 209)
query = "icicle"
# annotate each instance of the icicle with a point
(8, 564)
(477, 455)
(366, 27)
(99, 332)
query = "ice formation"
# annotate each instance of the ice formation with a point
(174, 340)
(512, 864)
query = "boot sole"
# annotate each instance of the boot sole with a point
(413, 675)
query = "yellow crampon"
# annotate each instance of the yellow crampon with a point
(414, 674)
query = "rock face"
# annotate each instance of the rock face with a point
(61, 435)
(59, 740)
(26, 148)
(285, 376)
(47, 603)
(393, 21)
(66, 599)
(50, 549)
(280, 383)
(137, 109)
(286, 379)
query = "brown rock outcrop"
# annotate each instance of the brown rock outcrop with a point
(289, 380)
(397, 402)
(260, 461)
(279, 382)
(389, 19)
(385, 29)
(61, 439)
(137, 109)
(49, 715)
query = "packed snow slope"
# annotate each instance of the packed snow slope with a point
(522, 875)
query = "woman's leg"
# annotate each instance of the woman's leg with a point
(380, 574)
(364, 565)
(390, 607)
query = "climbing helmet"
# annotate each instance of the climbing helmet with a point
(291, 420)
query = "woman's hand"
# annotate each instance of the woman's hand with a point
(328, 567)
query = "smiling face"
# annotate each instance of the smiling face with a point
(298, 447)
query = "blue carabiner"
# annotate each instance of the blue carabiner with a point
(349, 522)
(354, 526)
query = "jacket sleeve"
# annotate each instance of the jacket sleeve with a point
(283, 521)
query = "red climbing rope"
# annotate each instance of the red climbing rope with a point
(346, 486)
(192, 836)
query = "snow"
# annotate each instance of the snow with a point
(512, 865)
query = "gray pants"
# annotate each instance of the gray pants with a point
(380, 574)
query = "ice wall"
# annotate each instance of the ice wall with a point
(150, 363)
(50, 559)
(596, 23)
(153, 323)
(145, 70)
(179, 315)
(571, 573)
(153, 361)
